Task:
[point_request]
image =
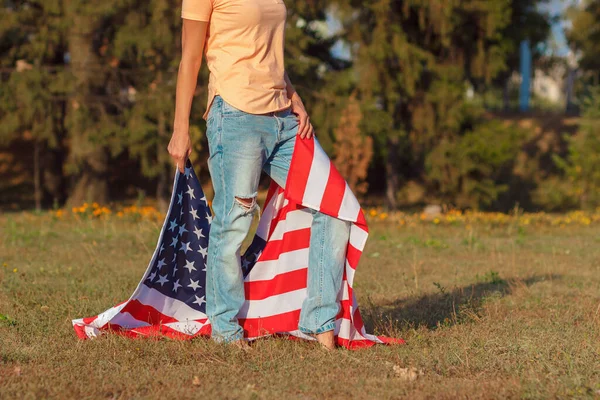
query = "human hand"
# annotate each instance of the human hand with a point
(180, 148)
(305, 129)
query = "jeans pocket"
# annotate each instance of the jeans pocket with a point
(230, 111)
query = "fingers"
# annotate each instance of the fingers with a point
(180, 164)
(305, 128)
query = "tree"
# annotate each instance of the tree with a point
(527, 22)
(584, 35)
(33, 89)
(413, 59)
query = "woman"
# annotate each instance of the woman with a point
(254, 116)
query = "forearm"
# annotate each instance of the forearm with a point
(186, 86)
(193, 35)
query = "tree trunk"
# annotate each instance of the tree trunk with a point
(37, 181)
(163, 187)
(505, 95)
(89, 158)
(391, 173)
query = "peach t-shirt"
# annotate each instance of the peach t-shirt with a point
(244, 52)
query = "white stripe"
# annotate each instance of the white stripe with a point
(106, 316)
(269, 212)
(287, 262)
(295, 220)
(317, 178)
(273, 305)
(127, 321)
(187, 327)
(166, 305)
(346, 330)
(358, 237)
(91, 331)
(350, 207)
(349, 274)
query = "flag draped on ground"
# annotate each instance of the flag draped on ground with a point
(170, 299)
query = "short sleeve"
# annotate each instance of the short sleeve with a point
(198, 10)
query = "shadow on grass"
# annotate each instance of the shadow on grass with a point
(445, 307)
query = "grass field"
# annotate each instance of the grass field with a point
(496, 309)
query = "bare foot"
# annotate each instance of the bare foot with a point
(242, 345)
(327, 339)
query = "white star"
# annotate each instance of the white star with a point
(194, 213)
(185, 247)
(174, 269)
(174, 243)
(173, 225)
(152, 275)
(180, 198)
(162, 247)
(176, 285)
(188, 172)
(246, 263)
(203, 198)
(203, 251)
(209, 217)
(182, 229)
(190, 266)
(194, 285)
(198, 233)
(190, 191)
(199, 300)
(174, 257)
(162, 279)
(161, 263)
(181, 212)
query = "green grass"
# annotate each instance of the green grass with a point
(488, 312)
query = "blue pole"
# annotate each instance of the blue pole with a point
(524, 95)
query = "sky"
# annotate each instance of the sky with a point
(557, 7)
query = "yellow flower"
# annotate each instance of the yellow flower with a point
(15, 270)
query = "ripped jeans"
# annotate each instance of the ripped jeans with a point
(241, 146)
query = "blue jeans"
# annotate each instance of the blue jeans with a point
(241, 145)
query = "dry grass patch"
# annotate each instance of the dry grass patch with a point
(488, 312)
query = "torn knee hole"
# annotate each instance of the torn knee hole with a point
(248, 204)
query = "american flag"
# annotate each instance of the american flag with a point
(170, 299)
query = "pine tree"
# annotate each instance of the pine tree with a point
(32, 90)
(413, 59)
(584, 35)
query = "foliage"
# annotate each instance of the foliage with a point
(584, 34)
(353, 150)
(583, 159)
(467, 170)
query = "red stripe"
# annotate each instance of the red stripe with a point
(357, 320)
(299, 169)
(353, 255)
(89, 320)
(334, 192)
(361, 221)
(285, 322)
(294, 240)
(281, 215)
(282, 283)
(146, 313)
(273, 190)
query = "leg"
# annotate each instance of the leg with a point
(326, 261)
(235, 162)
(328, 241)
